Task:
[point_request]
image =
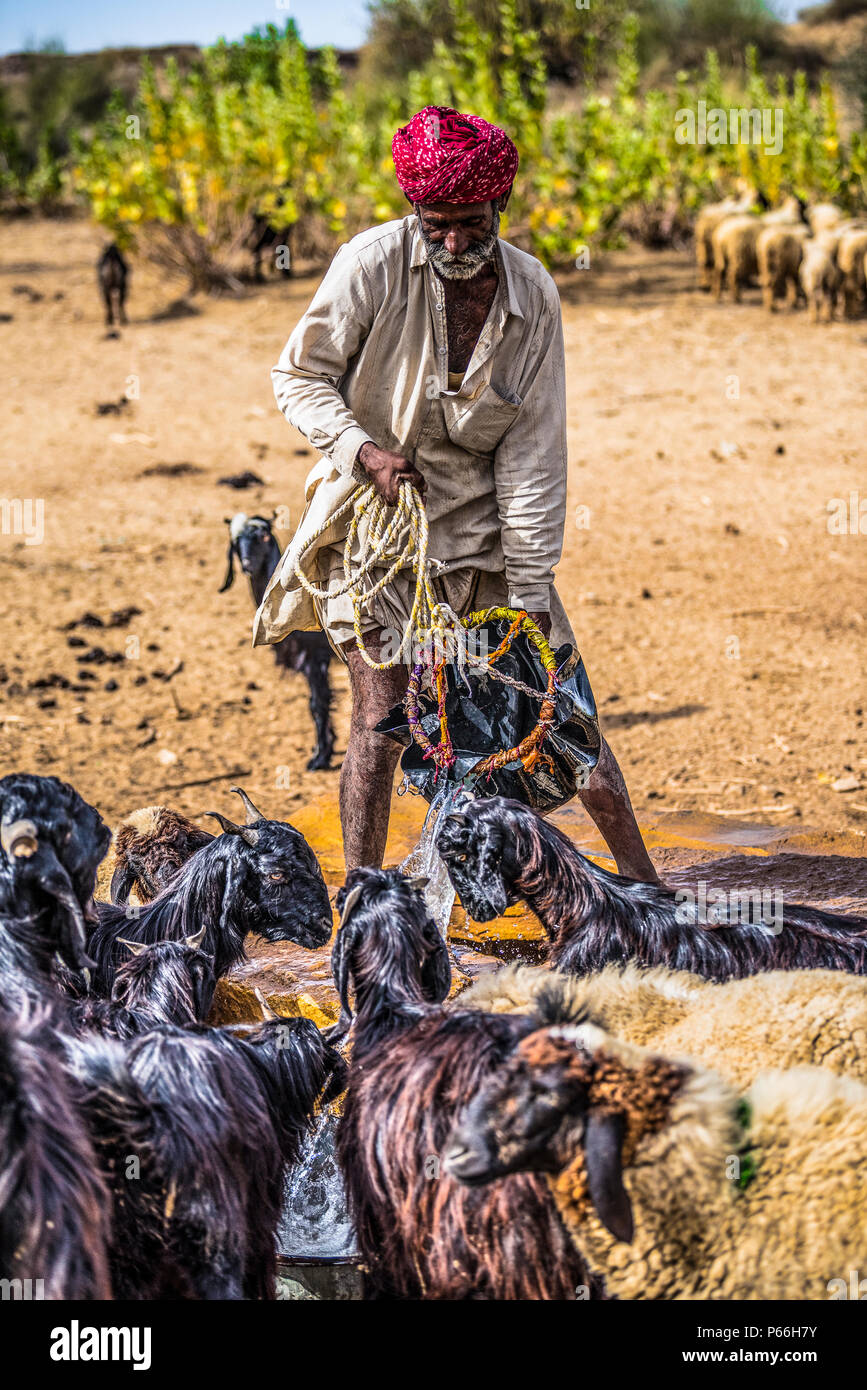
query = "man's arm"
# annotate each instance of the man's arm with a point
(530, 476)
(317, 356)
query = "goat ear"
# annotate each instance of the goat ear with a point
(603, 1152)
(436, 973)
(349, 903)
(341, 956)
(230, 569)
(122, 883)
(194, 942)
(135, 946)
(418, 881)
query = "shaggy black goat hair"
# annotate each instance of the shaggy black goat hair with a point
(165, 982)
(150, 846)
(252, 543)
(499, 851)
(51, 843)
(54, 1206)
(413, 1068)
(194, 1130)
(259, 877)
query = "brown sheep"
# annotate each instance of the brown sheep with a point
(709, 218)
(735, 240)
(851, 250)
(778, 252)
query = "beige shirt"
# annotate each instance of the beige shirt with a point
(369, 361)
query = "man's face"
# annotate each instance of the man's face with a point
(460, 238)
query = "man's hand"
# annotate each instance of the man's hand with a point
(387, 471)
(542, 621)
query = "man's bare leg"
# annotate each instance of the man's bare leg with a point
(367, 775)
(606, 800)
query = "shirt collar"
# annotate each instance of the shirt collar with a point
(419, 257)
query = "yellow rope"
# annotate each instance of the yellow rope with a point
(394, 543)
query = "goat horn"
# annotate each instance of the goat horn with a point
(419, 881)
(252, 814)
(267, 1011)
(459, 818)
(194, 942)
(19, 838)
(351, 899)
(250, 836)
(135, 946)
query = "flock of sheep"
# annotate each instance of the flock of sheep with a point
(667, 1109)
(797, 252)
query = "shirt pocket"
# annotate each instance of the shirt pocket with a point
(479, 424)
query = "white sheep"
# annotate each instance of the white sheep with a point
(822, 217)
(672, 1183)
(851, 251)
(781, 1018)
(734, 240)
(710, 217)
(820, 275)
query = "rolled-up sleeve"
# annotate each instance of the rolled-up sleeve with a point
(306, 378)
(530, 475)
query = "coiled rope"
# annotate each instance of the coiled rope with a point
(397, 539)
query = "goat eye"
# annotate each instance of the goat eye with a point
(277, 878)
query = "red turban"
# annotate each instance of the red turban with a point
(442, 156)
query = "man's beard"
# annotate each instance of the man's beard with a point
(469, 262)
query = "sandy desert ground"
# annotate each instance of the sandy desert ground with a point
(723, 625)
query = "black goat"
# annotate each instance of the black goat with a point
(261, 877)
(149, 847)
(54, 1206)
(165, 982)
(51, 844)
(262, 238)
(194, 1130)
(251, 541)
(499, 851)
(413, 1068)
(112, 272)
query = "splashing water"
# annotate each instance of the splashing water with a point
(315, 1220)
(426, 862)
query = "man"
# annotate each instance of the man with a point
(433, 353)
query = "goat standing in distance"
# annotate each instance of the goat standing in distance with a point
(252, 543)
(413, 1067)
(499, 852)
(214, 1120)
(260, 877)
(113, 272)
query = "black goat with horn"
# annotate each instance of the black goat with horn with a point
(414, 1066)
(213, 1120)
(260, 877)
(252, 542)
(51, 844)
(499, 851)
(163, 982)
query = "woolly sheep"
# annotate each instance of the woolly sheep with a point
(851, 252)
(673, 1183)
(708, 219)
(778, 255)
(820, 276)
(735, 241)
(822, 217)
(784, 1018)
